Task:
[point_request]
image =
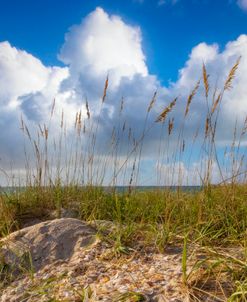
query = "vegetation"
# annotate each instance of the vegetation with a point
(70, 171)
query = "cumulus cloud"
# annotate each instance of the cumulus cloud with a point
(21, 73)
(105, 45)
(28, 90)
(218, 65)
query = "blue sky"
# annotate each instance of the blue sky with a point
(169, 30)
(65, 49)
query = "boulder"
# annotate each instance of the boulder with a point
(46, 242)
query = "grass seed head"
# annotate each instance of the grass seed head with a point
(46, 131)
(88, 111)
(205, 80)
(162, 116)
(121, 106)
(190, 97)
(153, 100)
(231, 75)
(62, 119)
(170, 125)
(105, 90)
(215, 104)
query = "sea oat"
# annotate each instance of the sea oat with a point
(162, 116)
(205, 79)
(130, 134)
(244, 127)
(62, 119)
(121, 105)
(153, 100)
(45, 132)
(76, 120)
(27, 131)
(191, 97)
(183, 145)
(88, 111)
(22, 124)
(105, 90)
(79, 123)
(215, 104)
(170, 125)
(124, 126)
(41, 131)
(231, 75)
(53, 107)
(206, 127)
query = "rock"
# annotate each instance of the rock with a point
(71, 265)
(46, 242)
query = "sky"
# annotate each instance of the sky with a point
(65, 49)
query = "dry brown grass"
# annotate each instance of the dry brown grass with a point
(191, 96)
(231, 75)
(205, 80)
(163, 115)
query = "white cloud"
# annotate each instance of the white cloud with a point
(28, 88)
(242, 4)
(21, 73)
(218, 64)
(104, 44)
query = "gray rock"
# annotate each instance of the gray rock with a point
(46, 242)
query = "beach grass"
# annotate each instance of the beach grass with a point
(70, 173)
